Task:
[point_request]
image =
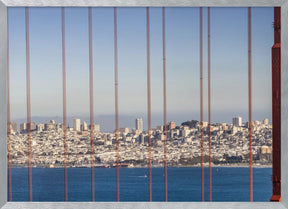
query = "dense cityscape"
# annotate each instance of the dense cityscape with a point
(229, 144)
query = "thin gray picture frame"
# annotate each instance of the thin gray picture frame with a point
(4, 4)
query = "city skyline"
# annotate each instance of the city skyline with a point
(105, 121)
(229, 144)
(80, 125)
(229, 50)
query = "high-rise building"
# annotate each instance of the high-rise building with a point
(40, 127)
(23, 127)
(84, 126)
(77, 125)
(139, 124)
(124, 130)
(142, 139)
(266, 121)
(160, 128)
(49, 126)
(96, 128)
(11, 129)
(14, 127)
(237, 121)
(171, 125)
(32, 126)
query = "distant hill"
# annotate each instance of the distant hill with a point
(191, 124)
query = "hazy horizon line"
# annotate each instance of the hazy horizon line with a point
(107, 121)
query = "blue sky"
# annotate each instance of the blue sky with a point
(229, 62)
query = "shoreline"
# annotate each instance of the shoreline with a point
(191, 166)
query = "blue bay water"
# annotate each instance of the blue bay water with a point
(184, 184)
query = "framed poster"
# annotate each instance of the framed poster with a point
(142, 50)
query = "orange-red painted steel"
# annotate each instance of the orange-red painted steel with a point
(91, 104)
(116, 104)
(164, 104)
(64, 104)
(250, 106)
(149, 104)
(209, 103)
(201, 104)
(28, 103)
(276, 107)
(8, 119)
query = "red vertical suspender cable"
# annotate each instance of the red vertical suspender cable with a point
(164, 103)
(28, 103)
(8, 119)
(201, 104)
(91, 105)
(209, 104)
(116, 104)
(250, 105)
(149, 104)
(64, 105)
